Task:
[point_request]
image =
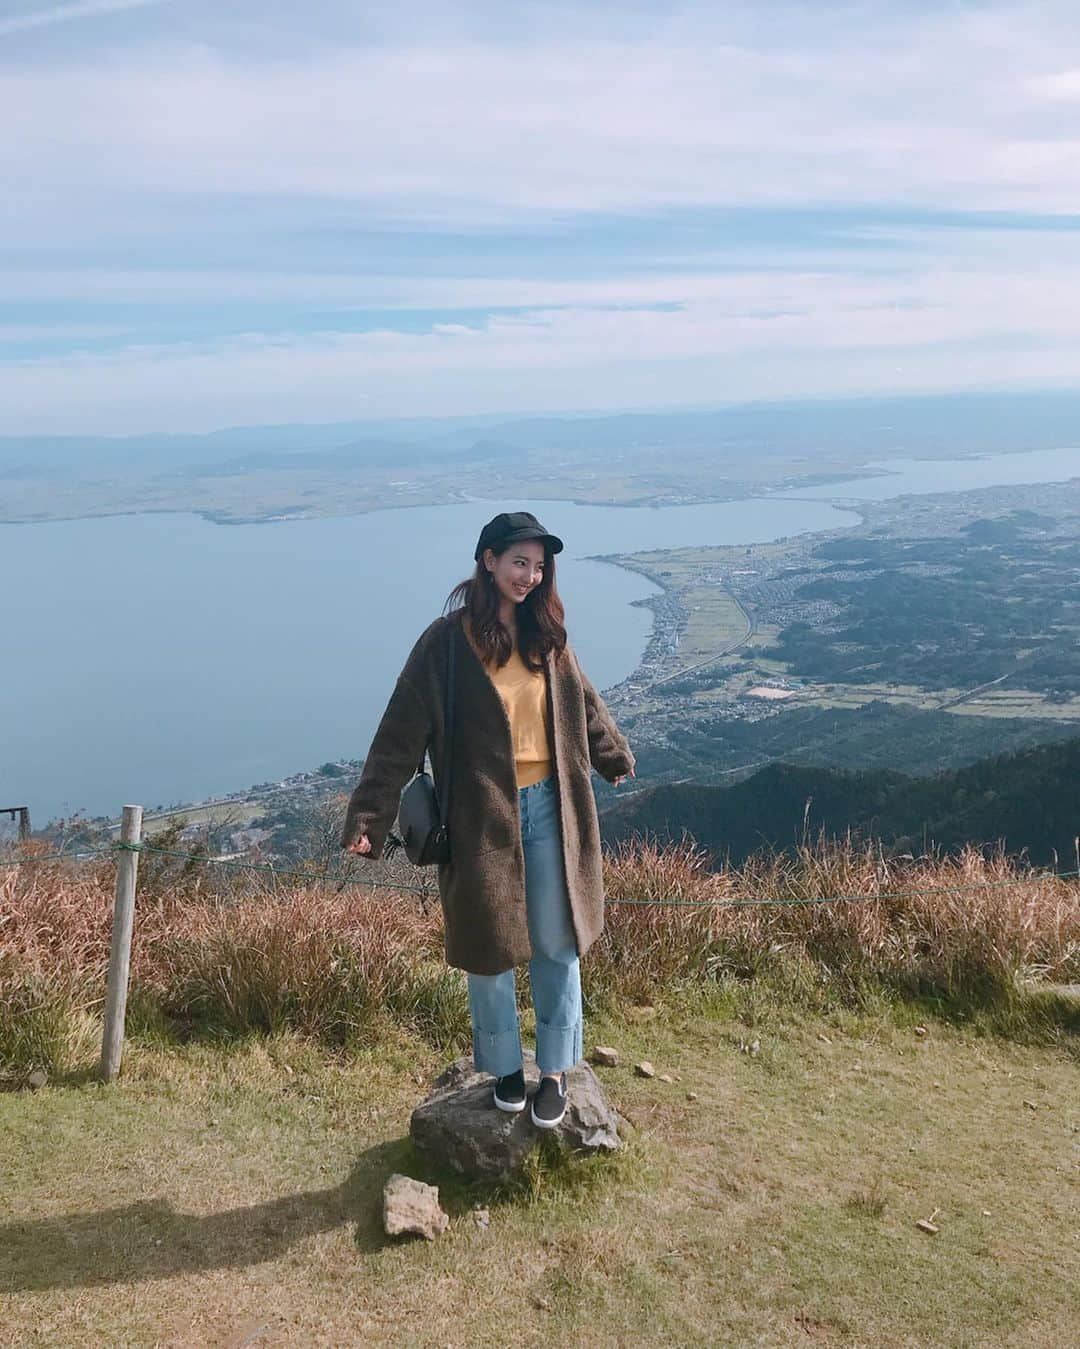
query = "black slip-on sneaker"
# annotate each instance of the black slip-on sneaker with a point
(549, 1102)
(510, 1092)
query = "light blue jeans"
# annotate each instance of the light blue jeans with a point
(553, 970)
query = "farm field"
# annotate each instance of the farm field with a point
(716, 621)
(1018, 703)
(231, 1195)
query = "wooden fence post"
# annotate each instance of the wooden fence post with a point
(127, 867)
(23, 813)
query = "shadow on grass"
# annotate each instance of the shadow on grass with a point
(76, 1077)
(1047, 1015)
(150, 1240)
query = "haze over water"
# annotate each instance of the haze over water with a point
(917, 476)
(160, 658)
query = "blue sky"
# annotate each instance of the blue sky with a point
(268, 212)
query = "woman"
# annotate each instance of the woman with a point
(524, 881)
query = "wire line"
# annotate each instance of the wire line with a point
(326, 875)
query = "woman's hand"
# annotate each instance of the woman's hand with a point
(362, 845)
(618, 782)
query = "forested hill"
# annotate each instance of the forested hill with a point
(1030, 800)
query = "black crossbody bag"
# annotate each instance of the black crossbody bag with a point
(422, 816)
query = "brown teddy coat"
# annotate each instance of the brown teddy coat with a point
(482, 887)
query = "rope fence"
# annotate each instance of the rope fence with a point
(327, 875)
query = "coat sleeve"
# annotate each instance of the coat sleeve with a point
(399, 741)
(609, 751)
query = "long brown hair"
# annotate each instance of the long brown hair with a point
(540, 615)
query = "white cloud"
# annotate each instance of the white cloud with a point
(498, 370)
(1062, 84)
(85, 9)
(145, 170)
(697, 338)
(942, 110)
(59, 332)
(1007, 280)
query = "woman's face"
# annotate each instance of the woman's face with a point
(518, 570)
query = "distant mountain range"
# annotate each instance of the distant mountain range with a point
(939, 425)
(1029, 801)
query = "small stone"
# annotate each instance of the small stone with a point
(37, 1079)
(604, 1056)
(925, 1225)
(921, 1030)
(410, 1206)
(665, 1077)
(644, 1069)
(986, 1213)
(287, 1069)
(691, 1095)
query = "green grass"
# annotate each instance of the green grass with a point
(215, 1193)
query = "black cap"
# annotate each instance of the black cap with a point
(511, 527)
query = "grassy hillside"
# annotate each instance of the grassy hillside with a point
(854, 1044)
(1028, 801)
(220, 1196)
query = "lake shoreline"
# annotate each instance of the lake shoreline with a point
(252, 653)
(733, 491)
(738, 492)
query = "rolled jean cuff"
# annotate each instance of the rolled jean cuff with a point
(497, 1052)
(558, 1048)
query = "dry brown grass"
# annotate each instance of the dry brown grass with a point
(219, 954)
(229, 954)
(958, 927)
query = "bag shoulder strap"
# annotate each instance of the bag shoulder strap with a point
(448, 703)
(394, 841)
(448, 730)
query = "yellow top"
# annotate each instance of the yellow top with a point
(524, 695)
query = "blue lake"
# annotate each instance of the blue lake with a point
(160, 658)
(902, 477)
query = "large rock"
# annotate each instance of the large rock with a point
(459, 1124)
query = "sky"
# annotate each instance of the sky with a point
(270, 212)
